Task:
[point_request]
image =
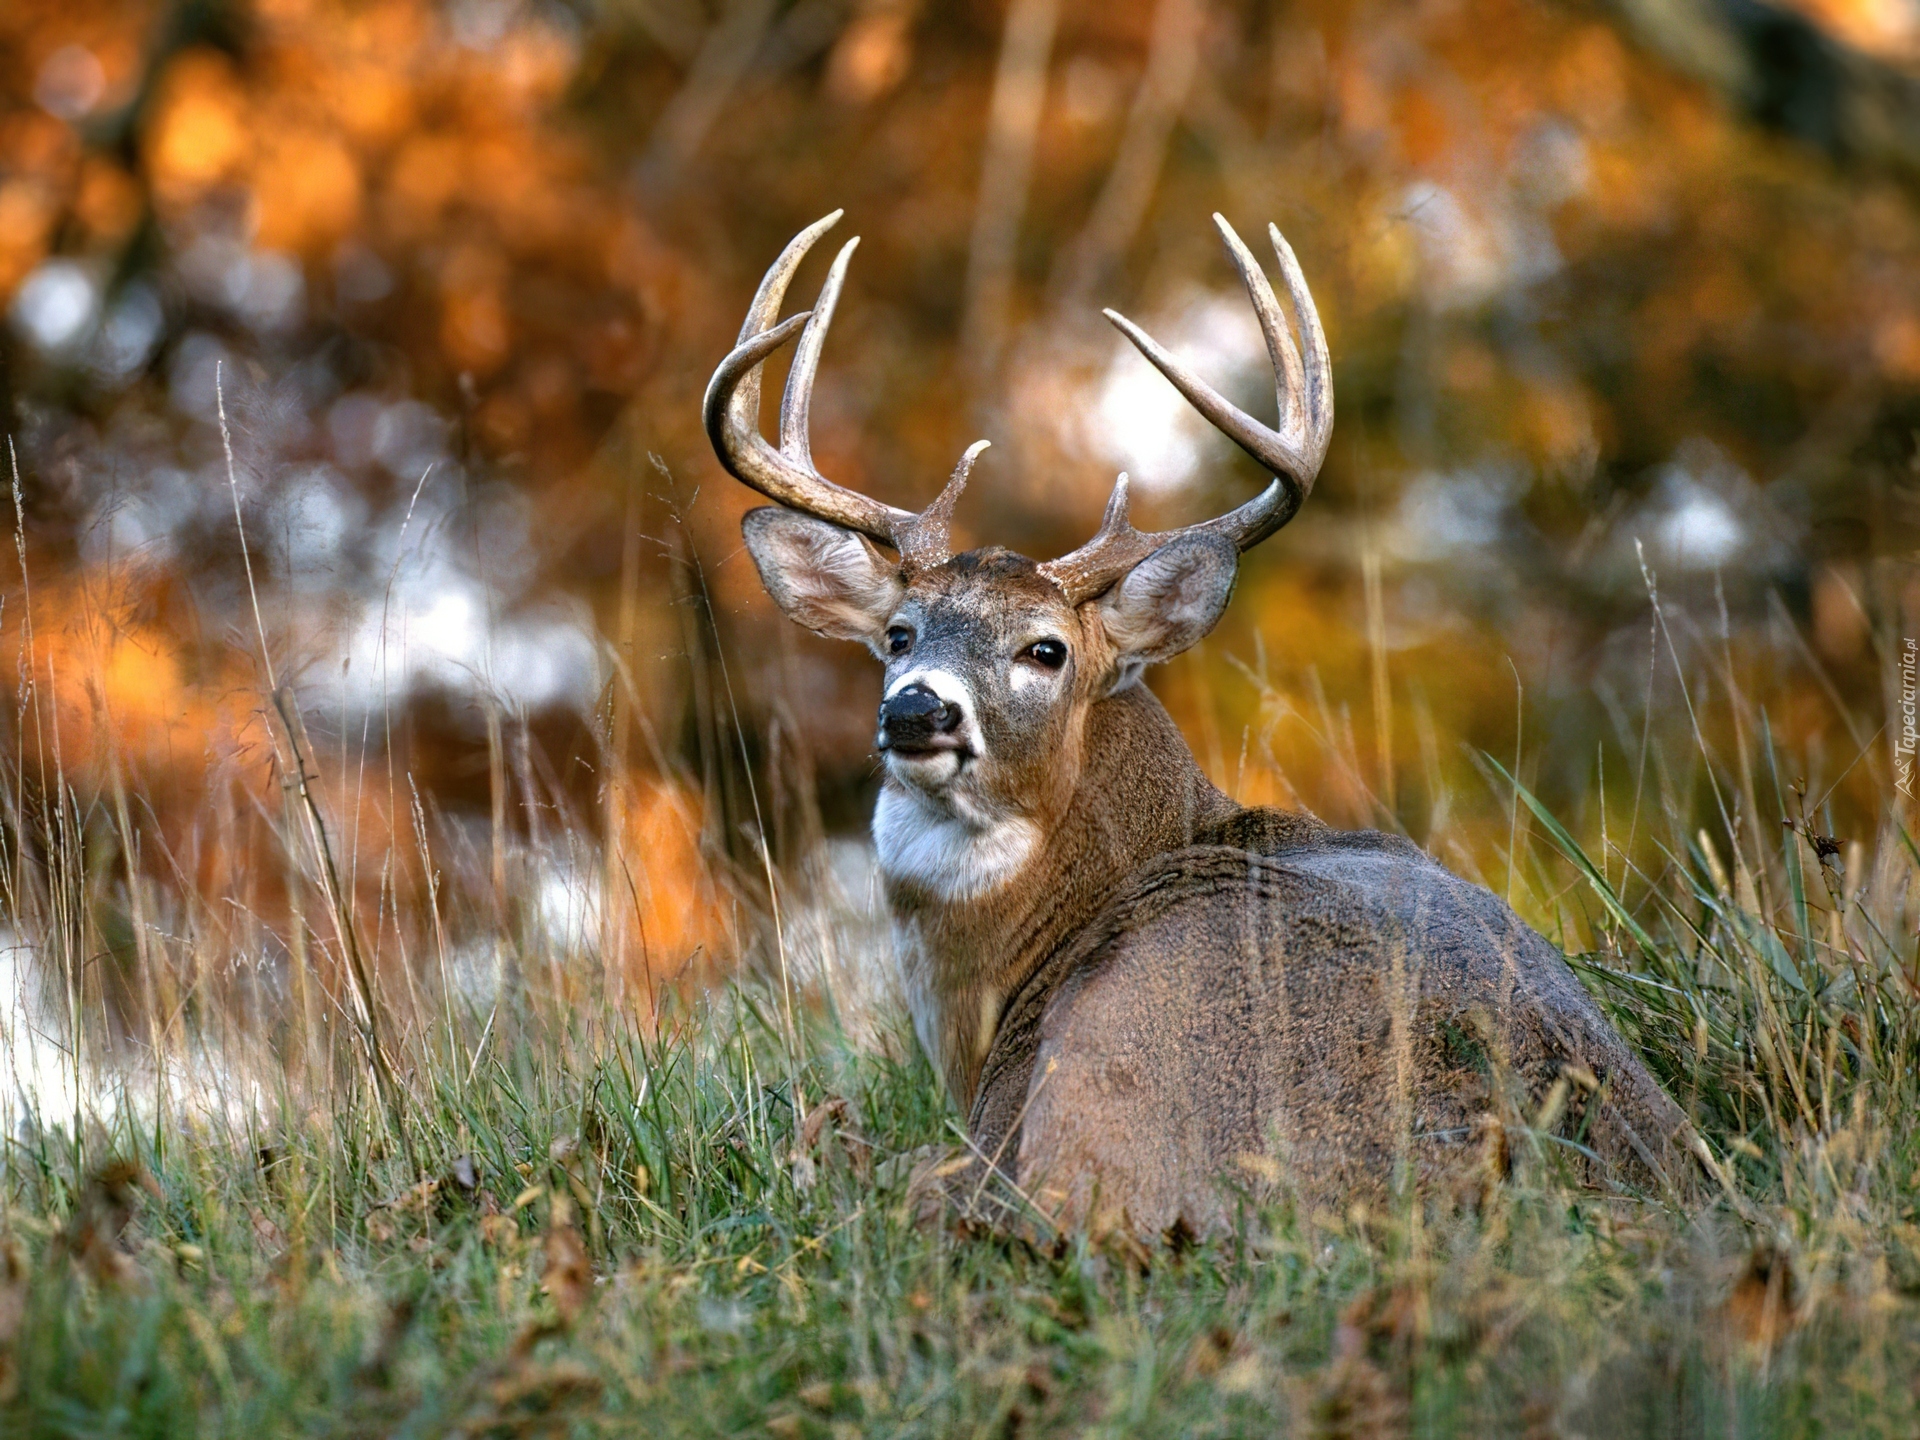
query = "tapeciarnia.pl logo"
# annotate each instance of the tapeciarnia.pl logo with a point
(1903, 745)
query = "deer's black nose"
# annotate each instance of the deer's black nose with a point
(914, 718)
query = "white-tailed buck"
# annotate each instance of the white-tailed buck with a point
(1146, 997)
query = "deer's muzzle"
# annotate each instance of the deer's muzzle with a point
(915, 720)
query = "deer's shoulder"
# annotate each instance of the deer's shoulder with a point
(1279, 972)
(1269, 901)
(1266, 914)
(1180, 920)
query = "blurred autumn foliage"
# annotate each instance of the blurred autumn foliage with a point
(457, 274)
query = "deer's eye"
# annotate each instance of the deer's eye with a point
(899, 640)
(1047, 654)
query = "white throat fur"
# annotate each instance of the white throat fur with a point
(921, 842)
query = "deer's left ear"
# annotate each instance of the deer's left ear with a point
(829, 579)
(1167, 602)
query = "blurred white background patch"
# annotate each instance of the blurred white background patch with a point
(56, 307)
(1136, 421)
(70, 83)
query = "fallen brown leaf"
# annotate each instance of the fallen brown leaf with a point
(528, 1401)
(95, 1237)
(1365, 1393)
(13, 1311)
(816, 1120)
(1210, 1351)
(1766, 1305)
(568, 1278)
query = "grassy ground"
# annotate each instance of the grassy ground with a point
(535, 1213)
(627, 1240)
(576, 1228)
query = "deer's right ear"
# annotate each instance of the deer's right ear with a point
(1168, 602)
(832, 581)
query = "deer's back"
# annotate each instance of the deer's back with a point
(1334, 1004)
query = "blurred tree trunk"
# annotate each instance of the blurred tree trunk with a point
(1790, 75)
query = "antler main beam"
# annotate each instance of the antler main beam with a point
(787, 474)
(1292, 453)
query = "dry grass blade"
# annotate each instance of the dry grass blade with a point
(300, 780)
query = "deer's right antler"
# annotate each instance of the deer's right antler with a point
(1292, 454)
(732, 415)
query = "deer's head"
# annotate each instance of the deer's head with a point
(993, 662)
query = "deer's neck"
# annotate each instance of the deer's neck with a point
(976, 909)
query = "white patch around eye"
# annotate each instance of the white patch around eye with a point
(922, 844)
(1024, 676)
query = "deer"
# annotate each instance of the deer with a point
(1148, 1000)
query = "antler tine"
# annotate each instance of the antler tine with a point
(1115, 548)
(1319, 365)
(796, 405)
(765, 308)
(927, 540)
(732, 406)
(1289, 380)
(732, 415)
(1303, 389)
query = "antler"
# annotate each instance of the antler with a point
(1292, 453)
(787, 475)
